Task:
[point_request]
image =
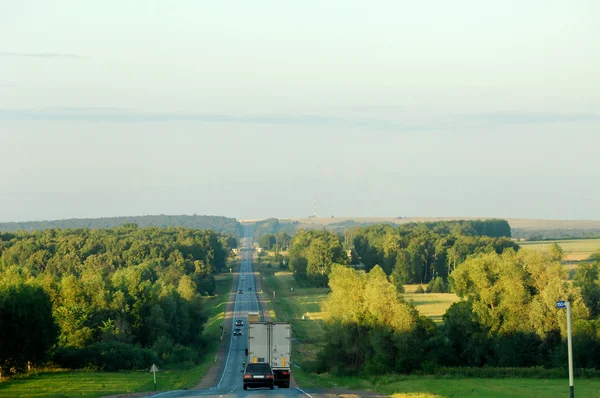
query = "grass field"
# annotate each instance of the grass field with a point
(400, 386)
(575, 250)
(65, 384)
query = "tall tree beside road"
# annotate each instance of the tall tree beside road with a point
(27, 328)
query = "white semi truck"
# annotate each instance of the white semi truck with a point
(271, 342)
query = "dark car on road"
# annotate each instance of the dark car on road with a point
(240, 291)
(249, 288)
(237, 332)
(239, 322)
(258, 375)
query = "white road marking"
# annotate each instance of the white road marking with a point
(168, 392)
(231, 338)
(304, 392)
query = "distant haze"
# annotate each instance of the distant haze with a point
(253, 109)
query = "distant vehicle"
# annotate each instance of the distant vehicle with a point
(239, 322)
(271, 343)
(237, 332)
(253, 316)
(258, 375)
(249, 288)
(243, 278)
(240, 291)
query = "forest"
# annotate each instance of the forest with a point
(216, 223)
(108, 299)
(408, 253)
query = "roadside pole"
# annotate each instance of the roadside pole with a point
(154, 369)
(567, 305)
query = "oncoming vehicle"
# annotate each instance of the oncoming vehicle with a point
(240, 291)
(258, 375)
(237, 332)
(239, 322)
(249, 288)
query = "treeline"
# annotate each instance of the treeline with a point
(508, 318)
(409, 253)
(119, 298)
(219, 224)
(272, 226)
(550, 234)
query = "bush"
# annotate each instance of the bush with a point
(419, 289)
(437, 285)
(106, 356)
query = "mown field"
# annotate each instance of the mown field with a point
(293, 301)
(64, 384)
(431, 387)
(574, 250)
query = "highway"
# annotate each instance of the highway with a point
(229, 381)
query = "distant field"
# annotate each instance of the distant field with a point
(400, 386)
(66, 384)
(575, 250)
(432, 305)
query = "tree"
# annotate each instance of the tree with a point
(556, 252)
(514, 292)
(27, 328)
(586, 278)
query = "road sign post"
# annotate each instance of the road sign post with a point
(154, 369)
(567, 305)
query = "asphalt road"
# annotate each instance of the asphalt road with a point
(230, 380)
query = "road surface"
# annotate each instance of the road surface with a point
(229, 382)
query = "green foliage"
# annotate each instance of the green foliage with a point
(419, 252)
(586, 278)
(515, 292)
(419, 289)
(275, 227)
(370, 328)
(312, 254)
(215, 223)
(27, 329)
(117, 292)
(437, 285)
(556, 252)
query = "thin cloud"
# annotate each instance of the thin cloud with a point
(530, 118)
(38, 55)
(123, 116)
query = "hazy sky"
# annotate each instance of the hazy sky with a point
(251, 109)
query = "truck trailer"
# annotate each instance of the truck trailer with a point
(271, 342)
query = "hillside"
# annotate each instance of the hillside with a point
(527, 228)
(216, 223)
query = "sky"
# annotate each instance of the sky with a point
(252, 109)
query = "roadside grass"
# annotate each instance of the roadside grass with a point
(574, 249)
(400, 386)
(64, 384)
